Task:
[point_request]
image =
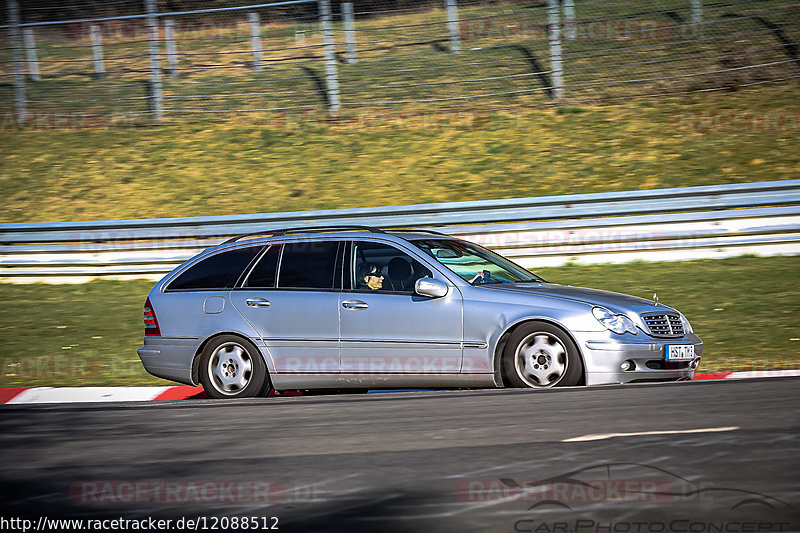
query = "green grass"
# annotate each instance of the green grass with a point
(286, 163)
(745, 309)
(83, 334)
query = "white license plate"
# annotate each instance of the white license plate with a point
(679, 352)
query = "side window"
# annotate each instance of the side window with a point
(264, 273)
(220, 271)
(309, 265)
(382, 267)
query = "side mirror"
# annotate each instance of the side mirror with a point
(432, 288)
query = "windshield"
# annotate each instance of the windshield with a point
(473, 263)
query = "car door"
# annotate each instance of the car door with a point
(391, 329)
(291, 297)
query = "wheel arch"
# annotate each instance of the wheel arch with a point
(497, 355)
(195, 375)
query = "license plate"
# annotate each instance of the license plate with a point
(679, 352)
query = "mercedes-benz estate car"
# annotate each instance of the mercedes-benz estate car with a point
(363, 308)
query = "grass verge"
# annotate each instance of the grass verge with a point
(272, 164)
(745, 309)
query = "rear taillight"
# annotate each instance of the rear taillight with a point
(150, 321)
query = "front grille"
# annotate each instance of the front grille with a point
(663, 324)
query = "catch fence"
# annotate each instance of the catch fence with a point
(86, 63)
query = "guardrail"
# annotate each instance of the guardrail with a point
(656, 225)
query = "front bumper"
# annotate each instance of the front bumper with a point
(605, 352)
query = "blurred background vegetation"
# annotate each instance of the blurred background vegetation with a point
(298, 163)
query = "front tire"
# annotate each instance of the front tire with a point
(540, 355)
(231, 367)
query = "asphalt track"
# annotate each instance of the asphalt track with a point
(692, 457)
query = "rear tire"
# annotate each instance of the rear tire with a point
(540, 355)
(232, 367)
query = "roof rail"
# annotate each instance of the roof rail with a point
(310, 229)
(408, 230)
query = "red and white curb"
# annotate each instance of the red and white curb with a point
(16, 395)
(21, 395)
(750, 374)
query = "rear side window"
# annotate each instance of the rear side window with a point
(309, 265)
(219, 271)
(264, 273)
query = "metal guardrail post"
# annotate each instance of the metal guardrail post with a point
(349, 31)
(452, 24)
(332, 75)
(554, 35)
(20, 104)
(255, 39)
(33, 60)
(156, 97)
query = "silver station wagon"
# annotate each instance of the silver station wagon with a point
(354, 307)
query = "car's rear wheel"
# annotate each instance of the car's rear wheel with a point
(541, 355)
(231, 367)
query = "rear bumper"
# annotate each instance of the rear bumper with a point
(169, 358)
(605, 353)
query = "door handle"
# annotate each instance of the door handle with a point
(257, 302)
(354, 304)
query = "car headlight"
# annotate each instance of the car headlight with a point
(619, 324)
(687, 328)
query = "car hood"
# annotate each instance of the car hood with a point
(614, 301)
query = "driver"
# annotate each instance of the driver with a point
(369, 276)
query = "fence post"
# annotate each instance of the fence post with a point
(255, 38)
(16, 58)
(33, 61)
(156, 104)
(569, 20)
(97, 52)
(697, 14)
(554, 27)
(349, 31)
(452, 24)
(172, 53)
(332, 75)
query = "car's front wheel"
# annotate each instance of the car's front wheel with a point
(541, 355)
(231, 367)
